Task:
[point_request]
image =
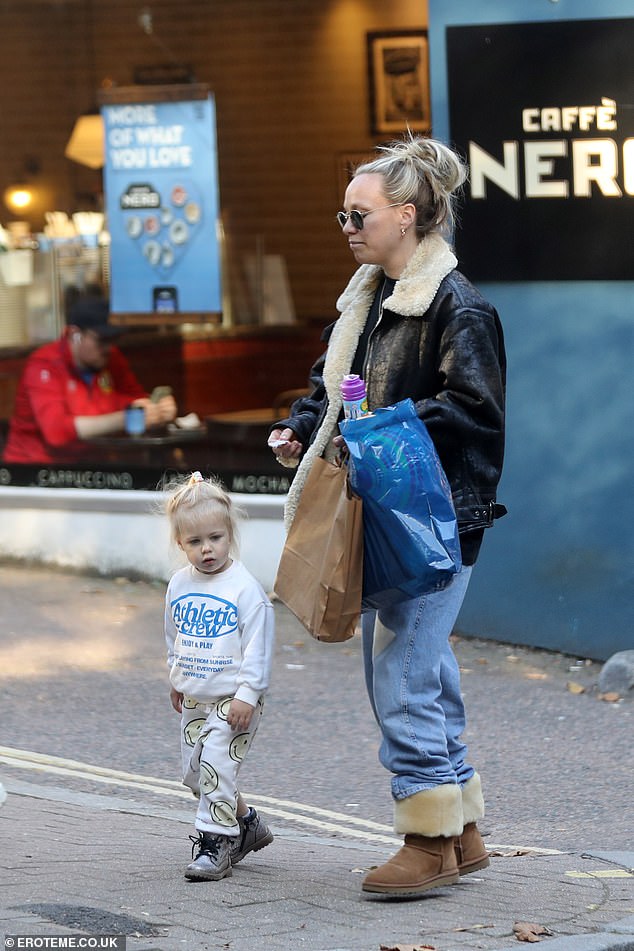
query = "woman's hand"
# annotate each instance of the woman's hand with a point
(240, 713)
(284, 444)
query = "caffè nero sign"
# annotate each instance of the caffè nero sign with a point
(544, 115)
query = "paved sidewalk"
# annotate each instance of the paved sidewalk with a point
(91, 848)
(77, 863)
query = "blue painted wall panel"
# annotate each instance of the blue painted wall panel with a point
(558, 571)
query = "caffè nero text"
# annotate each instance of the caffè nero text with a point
(595, 164)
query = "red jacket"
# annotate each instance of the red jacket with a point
(52, 393)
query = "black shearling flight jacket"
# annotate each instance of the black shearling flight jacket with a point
(449, 359)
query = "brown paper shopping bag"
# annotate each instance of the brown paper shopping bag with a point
(320, 575)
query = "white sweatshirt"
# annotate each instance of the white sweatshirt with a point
(219, 630)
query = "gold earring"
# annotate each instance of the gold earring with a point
(402, 232)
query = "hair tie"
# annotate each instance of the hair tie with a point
(194, 478)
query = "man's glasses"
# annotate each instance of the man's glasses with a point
(356, 217)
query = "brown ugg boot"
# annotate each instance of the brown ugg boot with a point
(430, 820)
(422, 863)
(471, 854)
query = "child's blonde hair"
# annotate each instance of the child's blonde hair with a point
(191, 498)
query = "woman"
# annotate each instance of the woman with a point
(412, 326)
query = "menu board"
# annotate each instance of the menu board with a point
(161, 188)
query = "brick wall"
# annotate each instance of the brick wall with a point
(289, 77)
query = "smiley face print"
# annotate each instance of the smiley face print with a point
(223, 812)
(208, 779)
(239, 746)
(191, 731)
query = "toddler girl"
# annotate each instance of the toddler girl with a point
(219, 629)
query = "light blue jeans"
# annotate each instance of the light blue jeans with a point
(413, 682)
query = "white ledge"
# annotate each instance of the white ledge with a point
(122, 500)
(122, 531)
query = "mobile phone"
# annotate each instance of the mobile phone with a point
(160, 392)
(165, 300)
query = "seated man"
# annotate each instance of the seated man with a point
(76, 388)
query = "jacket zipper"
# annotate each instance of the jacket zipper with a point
(370, 336)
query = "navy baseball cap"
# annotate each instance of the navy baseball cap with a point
(92, 313)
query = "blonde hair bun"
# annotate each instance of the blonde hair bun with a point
(424, 172)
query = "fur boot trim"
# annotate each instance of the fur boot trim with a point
(432, 812)
(472, 800)
(413, 293)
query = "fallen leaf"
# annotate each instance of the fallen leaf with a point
(408, 947)
(529, 931)
(508, 853)
(610, 697)
(574, 687)
(535, 675)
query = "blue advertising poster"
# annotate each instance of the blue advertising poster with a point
(161, 188)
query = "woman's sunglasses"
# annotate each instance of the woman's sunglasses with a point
(356, 217)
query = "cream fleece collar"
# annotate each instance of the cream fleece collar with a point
(412, 296)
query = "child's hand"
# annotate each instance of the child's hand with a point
(240, 713)
(177, 700)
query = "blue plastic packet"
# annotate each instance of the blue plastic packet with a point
(411, 544)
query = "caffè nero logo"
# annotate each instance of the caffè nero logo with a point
(597, 162)
(544, 115)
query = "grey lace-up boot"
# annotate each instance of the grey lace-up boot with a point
(213, 858)
(254, 835)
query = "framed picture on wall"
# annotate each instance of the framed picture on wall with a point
(398, 81)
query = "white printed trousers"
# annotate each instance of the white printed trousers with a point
(212, 754)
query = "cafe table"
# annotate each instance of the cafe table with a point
(161, 447)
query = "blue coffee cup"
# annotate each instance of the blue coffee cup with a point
(135, 420)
